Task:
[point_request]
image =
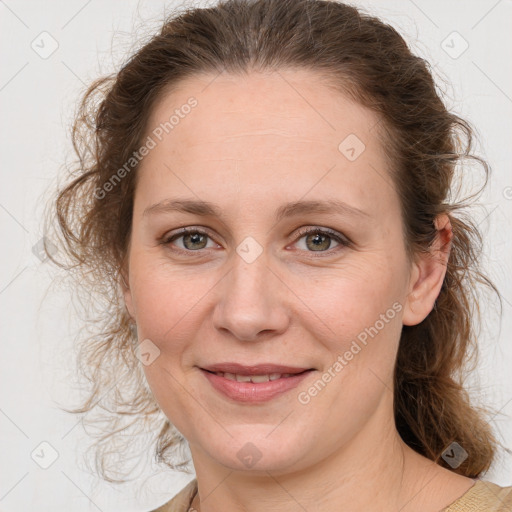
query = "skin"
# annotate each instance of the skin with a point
(252, 144)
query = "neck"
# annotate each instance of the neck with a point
(375, 471)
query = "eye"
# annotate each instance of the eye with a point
(192, 240)
(320, 240)
(317, 240)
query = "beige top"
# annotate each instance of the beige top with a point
(483, 496)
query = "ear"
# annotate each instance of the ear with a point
(127, 293)
(428, 274)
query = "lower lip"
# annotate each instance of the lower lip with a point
(254, 392)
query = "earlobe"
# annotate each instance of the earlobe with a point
(127, 293)
(428, 274)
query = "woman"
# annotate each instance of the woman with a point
(264, 199)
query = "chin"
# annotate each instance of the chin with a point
(254, 451)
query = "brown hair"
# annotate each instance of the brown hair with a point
(364, 58)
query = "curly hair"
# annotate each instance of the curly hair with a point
(425, 145)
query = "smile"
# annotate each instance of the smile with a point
(254, 388)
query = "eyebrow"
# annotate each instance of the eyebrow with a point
(205, 208)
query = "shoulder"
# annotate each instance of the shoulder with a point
(483, 496)
(181, 502)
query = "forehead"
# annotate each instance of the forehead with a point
(297, 105)
(272, 128)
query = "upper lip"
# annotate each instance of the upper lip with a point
(258, 369)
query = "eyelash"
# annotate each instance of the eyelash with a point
(343, 242)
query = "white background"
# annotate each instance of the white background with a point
(37, 101)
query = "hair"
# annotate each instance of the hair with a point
(425, 145)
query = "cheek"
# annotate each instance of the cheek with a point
(350, 299)
(167, 307)
(165, 297)
(157, 309)
(358, 317)
(170, 301)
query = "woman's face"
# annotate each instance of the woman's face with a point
(271, 154)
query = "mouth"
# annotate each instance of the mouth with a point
(256, 369)
(254, 384)
(255, 379)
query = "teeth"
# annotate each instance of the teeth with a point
(253, 378)
(260, 378)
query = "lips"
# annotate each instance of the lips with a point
(254, 384)
(254, 378)
(258, 369)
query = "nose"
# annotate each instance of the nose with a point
(251, 303)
